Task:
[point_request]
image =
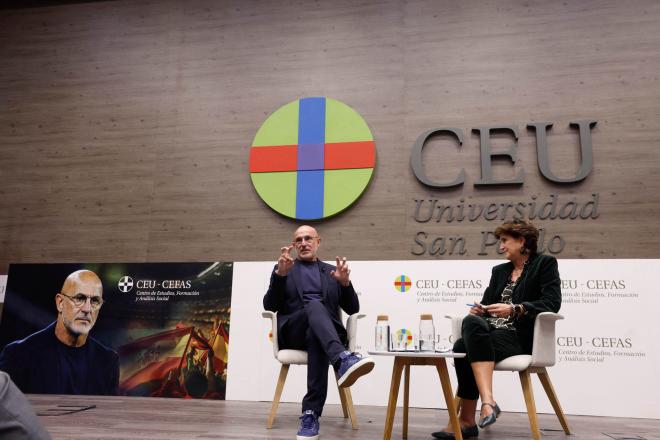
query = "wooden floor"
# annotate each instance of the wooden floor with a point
(152, 418)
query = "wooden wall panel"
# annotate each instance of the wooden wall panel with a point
(125, 126)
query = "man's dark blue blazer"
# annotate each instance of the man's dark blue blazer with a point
(285, 296)
(34, 364)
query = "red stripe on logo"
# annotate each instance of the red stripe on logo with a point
(346, 155)
(273, 158)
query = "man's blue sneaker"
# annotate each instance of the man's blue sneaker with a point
(309, 426)
(352, 367)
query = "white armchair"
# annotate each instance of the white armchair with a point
(543, 355)
(299, 357)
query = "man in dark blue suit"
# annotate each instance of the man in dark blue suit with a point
(307, 294)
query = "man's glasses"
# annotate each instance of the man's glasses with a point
(79, 300)
(305, 238)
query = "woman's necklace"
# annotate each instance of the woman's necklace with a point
(517, 271)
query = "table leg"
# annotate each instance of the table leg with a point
(441, 365)
(406, 399)
(394, 394)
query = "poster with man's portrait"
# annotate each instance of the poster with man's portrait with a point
(135, 329)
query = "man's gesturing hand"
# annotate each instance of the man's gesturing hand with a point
(285, 262)
(342, 272)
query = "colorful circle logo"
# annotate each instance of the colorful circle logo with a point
(312, 158)
(402, 283)
(403, 339)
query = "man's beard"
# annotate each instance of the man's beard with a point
(78, 328)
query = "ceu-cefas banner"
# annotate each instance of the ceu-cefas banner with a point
(606, 345)
(137, 329)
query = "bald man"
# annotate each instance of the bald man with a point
(62, 358)
(307, 294)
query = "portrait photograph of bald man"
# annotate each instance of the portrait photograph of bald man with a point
(46, 337)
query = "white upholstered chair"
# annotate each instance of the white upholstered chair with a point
(543, 355)
(299, 357)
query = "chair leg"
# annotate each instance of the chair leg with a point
(278, 393)
(342, 398)
(457, 403)
(347, 405)
(526, 382)
(552, 396)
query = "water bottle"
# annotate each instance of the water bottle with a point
(382, 333)
(426, 333)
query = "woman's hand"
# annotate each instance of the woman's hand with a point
(477, 309)
(499, 310)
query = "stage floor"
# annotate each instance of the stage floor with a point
(89, 418)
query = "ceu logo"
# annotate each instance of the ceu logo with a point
(403, 338)
(312, 158)
(402, 283)
(125, 284)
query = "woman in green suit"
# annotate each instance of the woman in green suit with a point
(502, 324)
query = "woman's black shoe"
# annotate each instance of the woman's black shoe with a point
(470, 431)
(490, 418)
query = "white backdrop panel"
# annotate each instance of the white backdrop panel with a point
(606, 345)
